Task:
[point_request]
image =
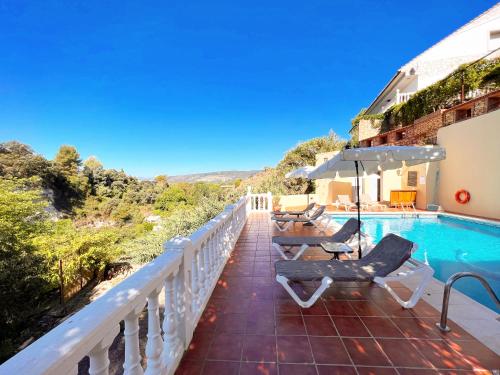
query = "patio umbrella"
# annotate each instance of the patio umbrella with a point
(302, 172)
(372, 160)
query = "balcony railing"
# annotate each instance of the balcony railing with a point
(261, 201)
(186, 272)
(402, 97)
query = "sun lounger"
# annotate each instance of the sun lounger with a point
(369, 203)
(386, 257)
(283, 244)
(304, 212)
(345, 201)
(316, 218)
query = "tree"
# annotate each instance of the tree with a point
(18, 160)
(162, 180)
(173, 197)
(92, 163)
(68, 160)
(22, 268)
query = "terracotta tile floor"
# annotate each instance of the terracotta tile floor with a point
(252, 326)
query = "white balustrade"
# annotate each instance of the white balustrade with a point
(402, 97)
(260, 202)
(187, 272)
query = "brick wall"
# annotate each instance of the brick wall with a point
(424, 130)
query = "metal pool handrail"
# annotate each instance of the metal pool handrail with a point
(446, 296)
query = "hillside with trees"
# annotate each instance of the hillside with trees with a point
(65, 223)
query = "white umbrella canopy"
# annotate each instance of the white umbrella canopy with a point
(302, 172)
(374, 159)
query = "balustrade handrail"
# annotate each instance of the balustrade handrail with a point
(187, 271)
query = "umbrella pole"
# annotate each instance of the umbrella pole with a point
(358, 205)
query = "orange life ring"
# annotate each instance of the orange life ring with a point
(462, 196)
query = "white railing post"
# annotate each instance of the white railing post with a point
(186, 286)
(154, 345)
(269, 201)
(172, 348)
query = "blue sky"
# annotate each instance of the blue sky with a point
(178, 87)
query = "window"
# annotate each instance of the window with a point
(412, 178)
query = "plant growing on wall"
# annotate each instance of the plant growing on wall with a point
(482, 75)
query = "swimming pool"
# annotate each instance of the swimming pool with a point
(450, 245)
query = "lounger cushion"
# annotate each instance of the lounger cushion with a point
(344, 234)
(303, 270)
(286, 219)
(298, 241)
(387, 256)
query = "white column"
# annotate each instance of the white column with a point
(172, 348)
(269, 201)
(98, 356)
(184, 293)
(132, 363)
(154, 345)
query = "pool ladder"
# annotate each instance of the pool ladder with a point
(412, 214)
(446, 296)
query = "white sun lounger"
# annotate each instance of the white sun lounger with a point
(317, 219)
(377, 266)
(304, 212)
(369, 203)
(345, 201)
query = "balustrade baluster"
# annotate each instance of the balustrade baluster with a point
(194, 282)
(202, 277)
(213, 256)
(220, 260)
(208, 274)
(132, 363)
(172, 348)
(98, 356)
(154, 346)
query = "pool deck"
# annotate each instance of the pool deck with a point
(252, 326)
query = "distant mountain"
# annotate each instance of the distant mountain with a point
(216, 177)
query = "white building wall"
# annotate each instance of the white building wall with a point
(472, 41)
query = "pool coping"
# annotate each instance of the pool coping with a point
(478, 320)
(419, 214)
(471, 218)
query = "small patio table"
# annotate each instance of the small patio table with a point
(336, 248)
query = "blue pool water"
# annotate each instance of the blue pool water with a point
(450, 245)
